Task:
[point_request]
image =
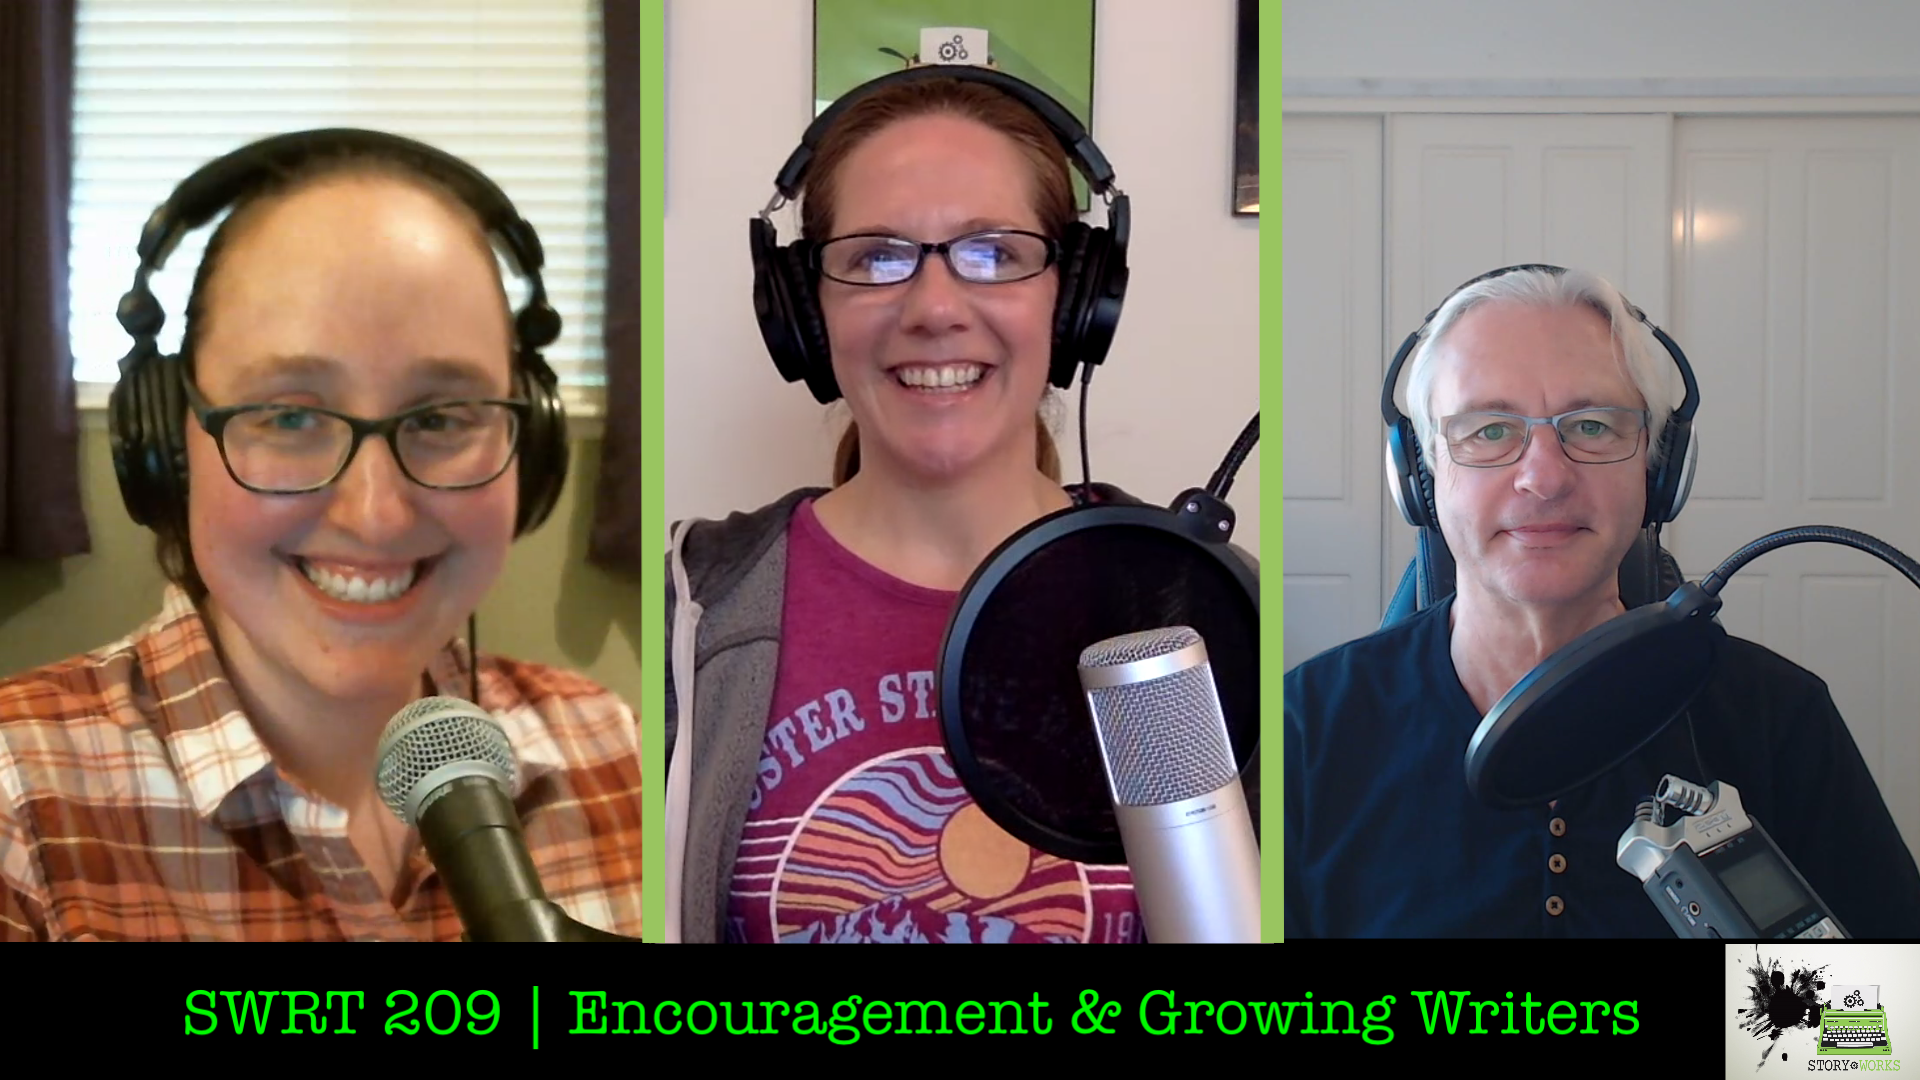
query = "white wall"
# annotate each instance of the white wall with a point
(1746, 45)
(1183, 375)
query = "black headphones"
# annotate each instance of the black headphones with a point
(146, 413)
(1412, 484)
(1093, 261)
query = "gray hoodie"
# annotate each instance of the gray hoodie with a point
(726, 589)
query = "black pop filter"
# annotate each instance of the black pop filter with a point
(1596, 702)
(1012, 710)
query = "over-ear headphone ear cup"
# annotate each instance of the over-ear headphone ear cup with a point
(543, 450)
(1669, 484)
(126, 432)
(1427, 503)
(786, 303)
(1070, 304)
(809, 323)
(1412, 483)
(772, 306)
(1690, 468)
(1106, 286)
(130, 431)
(162, 451)
(173, 427)
(1093, 283)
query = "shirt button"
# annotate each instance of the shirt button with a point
(1557, 864)
(1554, 906)
(1558, 826)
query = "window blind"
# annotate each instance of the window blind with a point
(164, 86)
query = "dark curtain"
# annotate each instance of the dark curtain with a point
(40, 508)
(618, 539)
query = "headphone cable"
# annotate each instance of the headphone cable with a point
(1086, 470)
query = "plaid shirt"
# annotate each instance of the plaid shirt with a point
(137, 803)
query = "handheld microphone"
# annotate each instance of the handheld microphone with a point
(1716, 873)
(446, 768)
(1182, 814)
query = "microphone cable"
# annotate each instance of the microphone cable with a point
(473, 656)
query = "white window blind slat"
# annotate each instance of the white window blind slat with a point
(164, 86)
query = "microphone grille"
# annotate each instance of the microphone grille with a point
(1133, 648)
(444, 736)
(1163, 735)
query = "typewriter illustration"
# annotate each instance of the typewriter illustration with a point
(1858, 1032)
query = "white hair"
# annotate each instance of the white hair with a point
(1648, 366)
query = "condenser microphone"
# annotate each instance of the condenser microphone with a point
(447, 768)
(1013, 710)
(1184, 826)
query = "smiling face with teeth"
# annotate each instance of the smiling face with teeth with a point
(943, 376)
(366, 294)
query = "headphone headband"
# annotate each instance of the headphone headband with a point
(1074, 139)
(223, 181)
(1391, 413)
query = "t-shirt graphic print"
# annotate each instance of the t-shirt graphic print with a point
(858, 829)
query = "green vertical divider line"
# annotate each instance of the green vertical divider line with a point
(1273, 527)
(653, 652)
(536, 1017)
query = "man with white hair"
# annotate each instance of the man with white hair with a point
(1539, 402)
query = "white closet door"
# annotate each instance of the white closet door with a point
(1797, 298)
(1468, 194)
(1332, 288)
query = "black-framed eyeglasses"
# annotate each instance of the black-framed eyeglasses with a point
(1591, 436)
(274, 449)
(996, 257)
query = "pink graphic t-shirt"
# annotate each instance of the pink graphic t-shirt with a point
(858, 828)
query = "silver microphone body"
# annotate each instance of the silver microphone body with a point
(1183, 816)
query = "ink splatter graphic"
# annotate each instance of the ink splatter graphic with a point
(1780, 1003)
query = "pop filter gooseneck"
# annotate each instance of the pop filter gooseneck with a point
(1013, 713)
(1222, 480)
(1806, 534)
(1598, 700)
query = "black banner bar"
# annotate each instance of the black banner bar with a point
(1601, 1005)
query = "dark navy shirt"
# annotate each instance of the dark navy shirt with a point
(1383, 839)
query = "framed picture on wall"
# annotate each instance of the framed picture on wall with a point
(1049, 45)
(1246, 112)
